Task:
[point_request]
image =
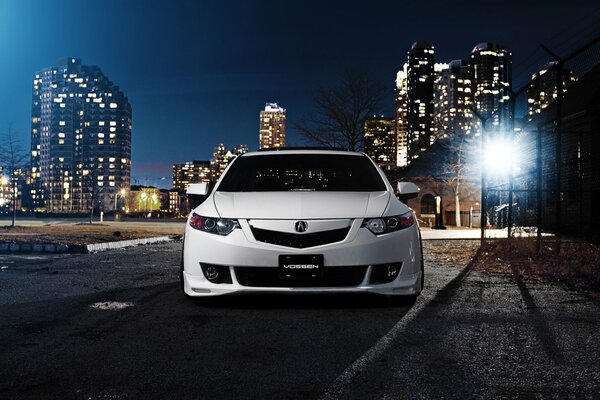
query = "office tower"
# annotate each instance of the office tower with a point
(80, 139)
(491, 71)
(239, 149)
(272, 127)
(452, 100)
(190, 172)
(401, 123)
(543, 88)
(380, 141)
(420, 76)
(6, 193)
(219, 161)
(222, 157)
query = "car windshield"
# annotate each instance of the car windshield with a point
(302, 172)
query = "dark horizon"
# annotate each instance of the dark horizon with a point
(199, 74)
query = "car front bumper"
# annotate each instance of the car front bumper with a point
(359, 248)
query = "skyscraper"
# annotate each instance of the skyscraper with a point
(272, 127)
(543, 88)
(420, 79)
(240, 149)
(190, 172)
(491, 71)
(452, 100)
(401, 123)
(80, 139)
(222, 156)
(380, 141)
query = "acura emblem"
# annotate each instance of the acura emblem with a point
(301, 226)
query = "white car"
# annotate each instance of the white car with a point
(302, 221)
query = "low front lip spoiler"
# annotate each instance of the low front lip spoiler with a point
(403, 285)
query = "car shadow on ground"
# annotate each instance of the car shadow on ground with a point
(305, 301)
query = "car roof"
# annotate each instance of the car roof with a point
(301, 150)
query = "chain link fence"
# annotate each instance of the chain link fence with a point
(554, 183)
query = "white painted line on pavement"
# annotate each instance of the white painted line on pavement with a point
(336, 388)
(111, 305)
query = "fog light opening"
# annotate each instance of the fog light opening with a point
(392, 271)
(385, 273)
(216, 273)
(211, 273)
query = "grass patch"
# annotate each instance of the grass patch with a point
(81, 233)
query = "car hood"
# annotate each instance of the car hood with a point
(301, 205)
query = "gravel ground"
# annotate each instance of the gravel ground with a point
(114, 325)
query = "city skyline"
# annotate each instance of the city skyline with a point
(80, 138)
(173, 89)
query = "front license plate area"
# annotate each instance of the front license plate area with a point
(305, 266)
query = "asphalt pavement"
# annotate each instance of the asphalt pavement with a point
(114, 325)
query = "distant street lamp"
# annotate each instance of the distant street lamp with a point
(143, 198)
(120, 192)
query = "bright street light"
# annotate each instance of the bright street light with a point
(499, 156)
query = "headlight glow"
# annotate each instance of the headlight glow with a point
(218, 226)
(389, 224)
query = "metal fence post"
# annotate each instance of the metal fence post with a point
(538, 166)
(510, 172)
(559, 95)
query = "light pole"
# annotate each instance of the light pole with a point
(154, 200)
(143, 198)
(120, 192)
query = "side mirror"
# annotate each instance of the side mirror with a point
(197, 193)
(198, 189)
(407, 191)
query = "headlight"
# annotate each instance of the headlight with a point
(218, 226)
(389, 224)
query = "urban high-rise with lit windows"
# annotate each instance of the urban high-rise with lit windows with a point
(491, 71)
(420, 80)
(80, 139)
(272, 127)
(452, 100)
(401, 122)
(543, 88)
(221, 158)
(380, 141)
(196, 171)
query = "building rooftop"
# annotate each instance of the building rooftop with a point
(273, 107)
(421, 45)
(489, 46)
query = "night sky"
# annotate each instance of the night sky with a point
(198, 72)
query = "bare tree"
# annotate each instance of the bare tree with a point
(341, 112)
(13, 157)
(459, 154)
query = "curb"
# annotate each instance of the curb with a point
(79, 248)
(95, 247)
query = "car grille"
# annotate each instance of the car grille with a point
(299, 241)
(269, 277)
